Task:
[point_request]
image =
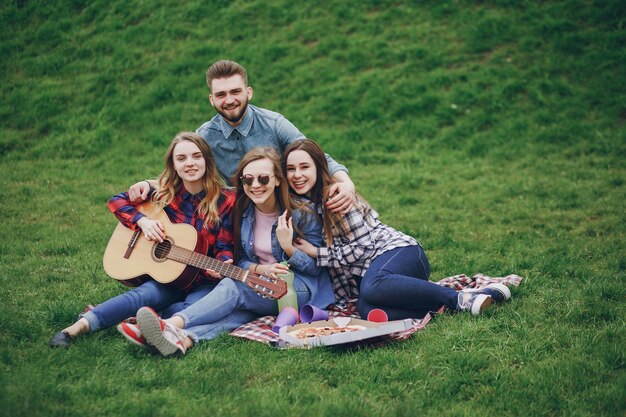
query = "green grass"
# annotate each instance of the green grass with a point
(492, 131)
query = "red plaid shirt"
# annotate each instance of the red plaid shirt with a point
(219, 237)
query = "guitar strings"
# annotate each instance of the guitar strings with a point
(204, 262)
(165, 250)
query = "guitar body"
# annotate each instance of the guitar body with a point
(146, 258)
(132, 259)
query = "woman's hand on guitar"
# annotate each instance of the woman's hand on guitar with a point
(213, 274)
(152, 229)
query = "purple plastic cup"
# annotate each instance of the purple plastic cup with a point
(288, 316)
(310, 313)
(377, 315)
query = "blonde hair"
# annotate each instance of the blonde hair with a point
(169, 182)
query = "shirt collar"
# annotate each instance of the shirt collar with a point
(186, 195)
(243, 128)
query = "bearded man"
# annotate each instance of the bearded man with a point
(240, 126)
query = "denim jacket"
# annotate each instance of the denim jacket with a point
(306, 272)
(258, 127)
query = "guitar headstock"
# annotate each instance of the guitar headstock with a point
(265, 286)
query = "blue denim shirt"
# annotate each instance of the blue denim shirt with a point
(258, 127)
(305, 269)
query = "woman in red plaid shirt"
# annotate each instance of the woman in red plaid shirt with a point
(386, 268)
(190, 191)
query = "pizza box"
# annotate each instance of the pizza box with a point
(372, 329)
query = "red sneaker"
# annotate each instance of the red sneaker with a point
(132, 333)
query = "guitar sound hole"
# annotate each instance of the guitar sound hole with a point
(162, 249)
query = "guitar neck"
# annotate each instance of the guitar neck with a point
(203, 262)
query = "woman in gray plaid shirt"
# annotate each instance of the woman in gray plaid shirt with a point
(389, 267)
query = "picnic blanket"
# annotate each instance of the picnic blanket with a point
(260, 330)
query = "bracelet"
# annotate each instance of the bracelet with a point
(255, 267)
(149, 186)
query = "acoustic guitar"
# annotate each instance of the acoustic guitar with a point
(176, 261)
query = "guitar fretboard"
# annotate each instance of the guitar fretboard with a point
(198, 260)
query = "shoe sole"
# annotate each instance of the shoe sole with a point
(480, 304)
(150, 326)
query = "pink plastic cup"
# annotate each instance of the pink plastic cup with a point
(310, 313)
(377, 315)
(288, 316)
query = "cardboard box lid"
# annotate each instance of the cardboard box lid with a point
(372, 329)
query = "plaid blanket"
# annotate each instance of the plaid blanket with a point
(260, 330)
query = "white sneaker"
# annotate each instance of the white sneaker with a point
(499, 293)
(474, 302)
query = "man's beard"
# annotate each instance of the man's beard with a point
(242, 107)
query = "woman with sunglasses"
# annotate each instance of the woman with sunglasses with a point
(267, 221)
(190, 191)
(389, 268)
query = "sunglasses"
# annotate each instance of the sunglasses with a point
(248, 179)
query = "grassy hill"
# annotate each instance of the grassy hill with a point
(492, 131)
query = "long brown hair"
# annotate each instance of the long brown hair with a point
(242, 202)
(332, 222)
(212, 183)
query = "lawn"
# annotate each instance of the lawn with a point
(493, 132)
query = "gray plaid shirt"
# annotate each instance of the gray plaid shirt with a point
(352, 253)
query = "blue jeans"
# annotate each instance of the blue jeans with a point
(397, 282)
(150, 294)
(230, 305)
